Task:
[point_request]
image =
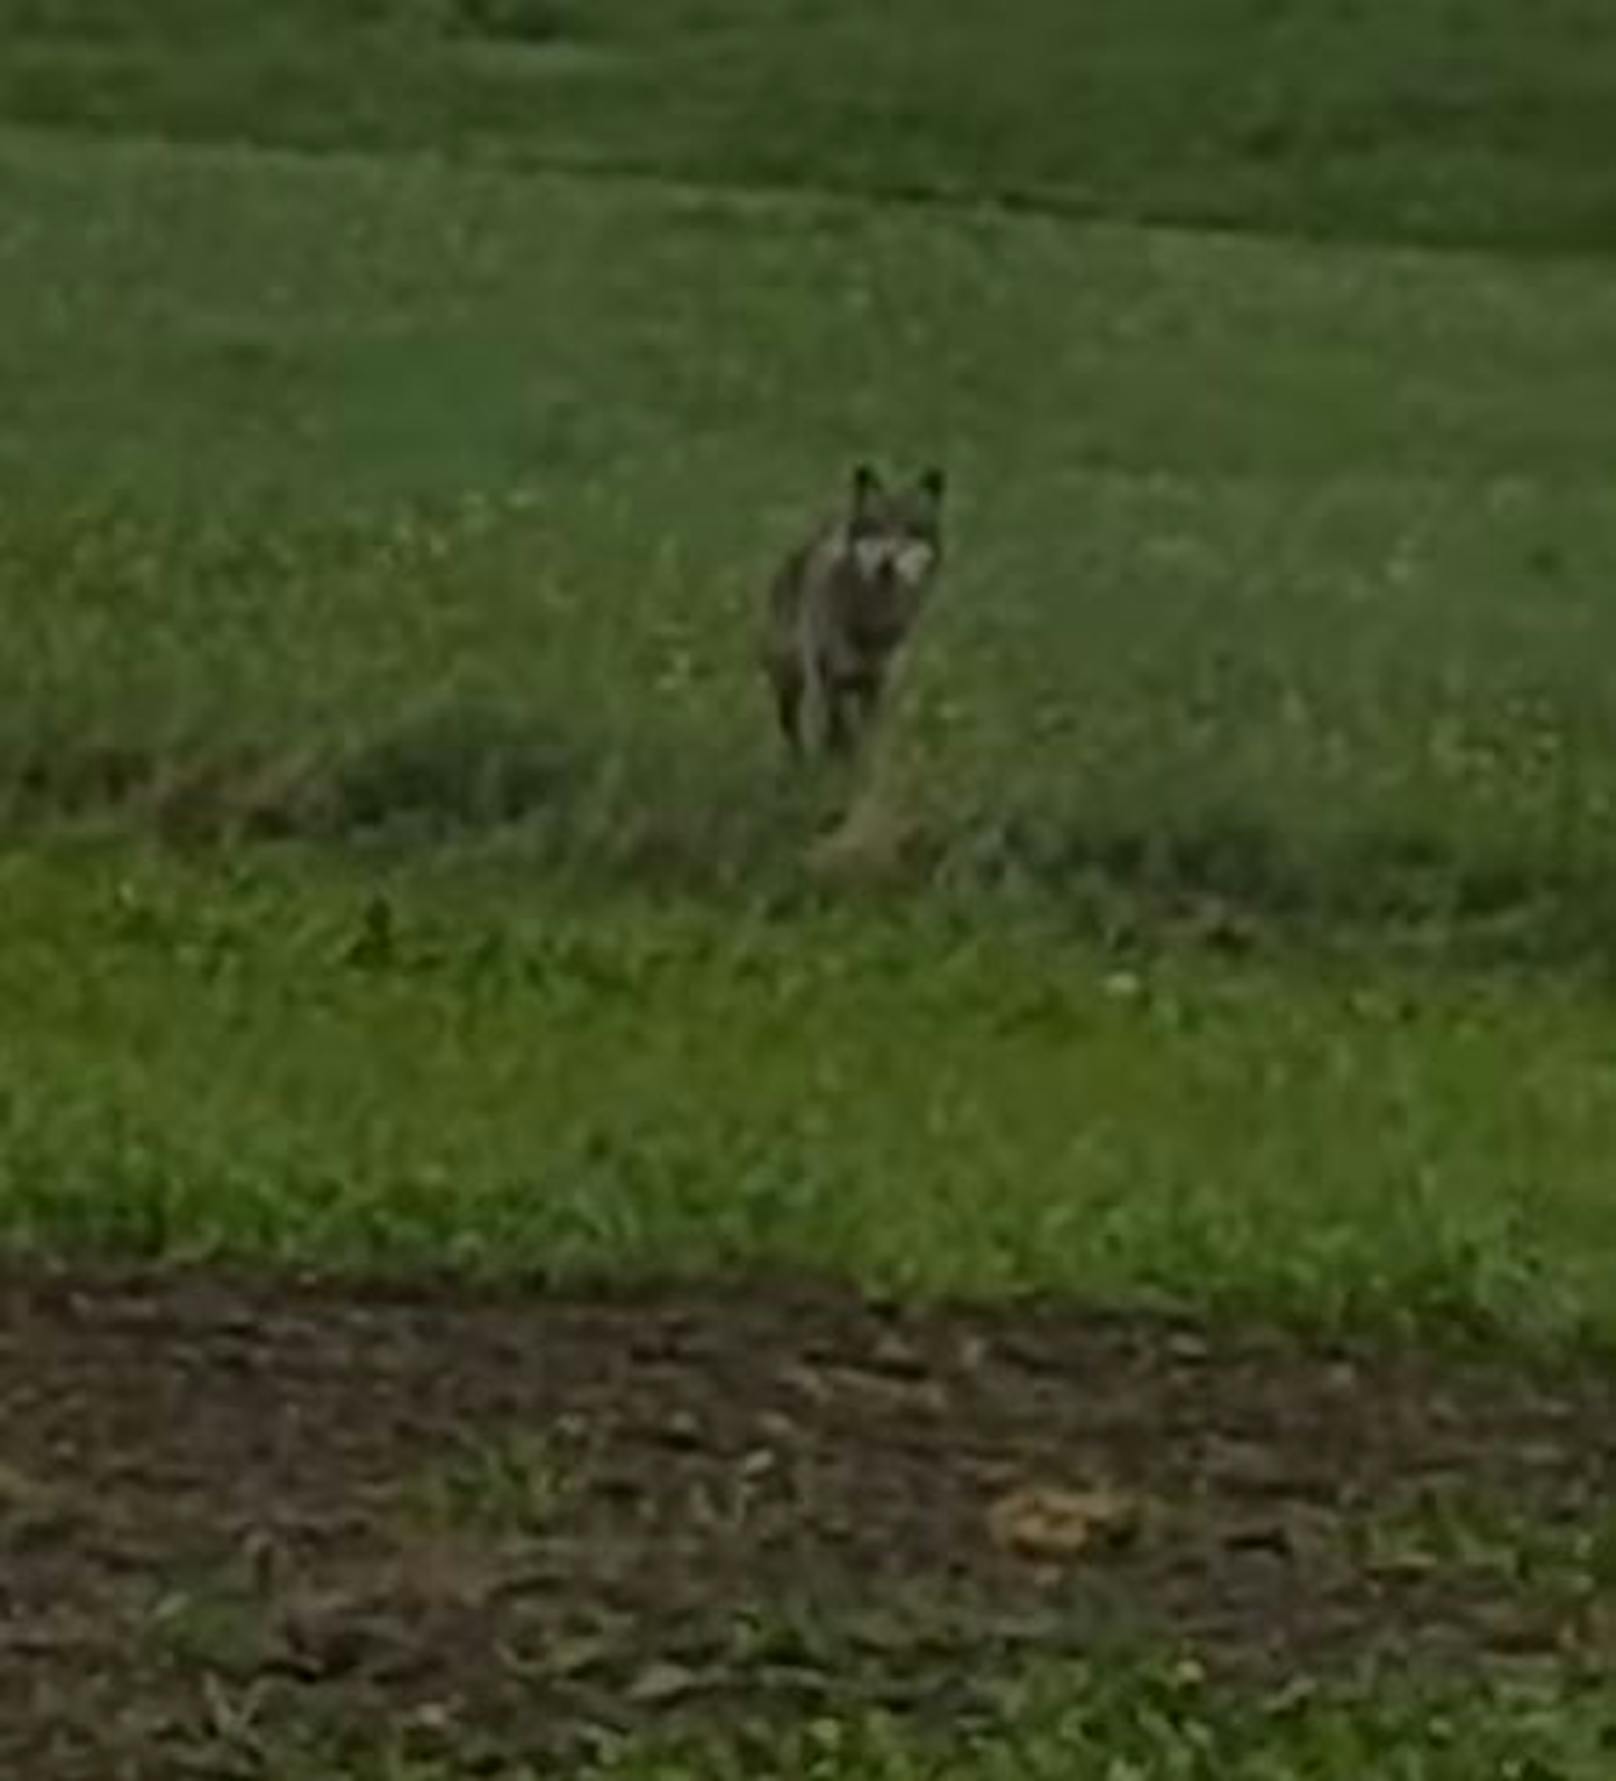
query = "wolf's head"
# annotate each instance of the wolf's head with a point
(895, 533)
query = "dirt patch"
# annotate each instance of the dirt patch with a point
(242, 1519)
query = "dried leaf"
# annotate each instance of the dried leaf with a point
(1049, 1522)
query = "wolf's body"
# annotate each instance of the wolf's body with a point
(841, 606)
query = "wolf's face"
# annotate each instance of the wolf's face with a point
(894, 535)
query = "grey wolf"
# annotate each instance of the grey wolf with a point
(843, 603)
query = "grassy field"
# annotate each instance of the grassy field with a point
(1445, 121)
(401, 412)
(227, 1059)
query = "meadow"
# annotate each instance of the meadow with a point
(402, 411)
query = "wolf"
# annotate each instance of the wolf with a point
(842, 604)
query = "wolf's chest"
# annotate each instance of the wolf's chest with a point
(877, 631)
(876, 618)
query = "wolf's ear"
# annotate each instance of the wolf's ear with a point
(866, 484)
(933, 483)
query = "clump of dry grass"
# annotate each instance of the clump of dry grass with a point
(885, 834)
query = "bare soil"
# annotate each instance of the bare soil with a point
(242, 1519)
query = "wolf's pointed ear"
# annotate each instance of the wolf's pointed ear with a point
(866, 484)
(933, 484)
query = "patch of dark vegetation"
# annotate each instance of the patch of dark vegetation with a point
(1434, 124)
(510, 1522)
(445, 774)
(1232, 878)
(1226, 878)
(456, 770)
(514, 21)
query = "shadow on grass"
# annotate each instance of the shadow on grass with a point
(516, 22)
(1265, 871)
(1228, 878)
(1233, 879)
(431, 778)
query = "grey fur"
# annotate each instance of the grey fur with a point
(841, 606)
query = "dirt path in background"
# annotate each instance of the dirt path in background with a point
(243, 1520)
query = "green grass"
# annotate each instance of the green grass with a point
(1279, 569)
(232, 1061)
(1156, 1724)
(1443, 120)
(411, 518)
(1146, 1721)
